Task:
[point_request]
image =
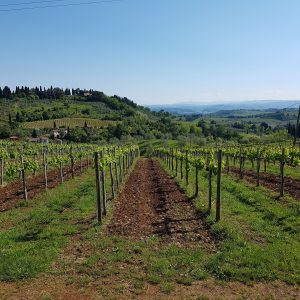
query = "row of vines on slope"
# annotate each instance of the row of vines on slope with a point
(213, 161)
(25, 159)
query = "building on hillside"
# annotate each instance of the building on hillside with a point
(55, 133)
(58, 133)
(33, 140)
(41, 140)
(13, 138)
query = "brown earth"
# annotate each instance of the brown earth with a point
(271, 181)
(59, 287)
(12, 193)
(152, 203)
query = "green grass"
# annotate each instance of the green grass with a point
(32, 236)
(293, 172)
(260, 235)
(141, 262)
(147, 146)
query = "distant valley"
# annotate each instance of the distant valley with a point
(205, 108)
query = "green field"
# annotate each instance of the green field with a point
(67, 122)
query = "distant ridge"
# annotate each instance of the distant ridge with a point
(198, 108)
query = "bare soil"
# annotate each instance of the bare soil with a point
(152, 203)
(59, 287)
(271, 181)
(12, 194)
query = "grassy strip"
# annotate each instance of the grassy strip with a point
(32, 236)
(260, 235)
(272, 168)
(37, 233)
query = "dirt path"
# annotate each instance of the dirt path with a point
(152, 203)
(271, 181)
(12, 193)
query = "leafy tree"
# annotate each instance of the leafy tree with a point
(34, 133)
(77, 135)
(10, 122)
(5, 132)
(45, 115)
(264, 125)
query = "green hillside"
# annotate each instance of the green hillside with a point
(91, 115)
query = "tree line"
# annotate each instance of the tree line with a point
(113, 102)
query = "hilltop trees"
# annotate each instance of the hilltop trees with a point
(6, 93)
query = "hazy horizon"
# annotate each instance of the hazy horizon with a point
(224, 102)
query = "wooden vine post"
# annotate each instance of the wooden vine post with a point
(197, 180)
(80, 160)
(297, 128)
(116, 169)
(35, 159)
(218, 201)
(103, 184)
(45, 169)
(23, 175)
(61, 167)
(123, 165)
(227, 164)
(282, 162)
(112, 181)
(181, 167)
(172, 159)
(209, 189)
(120, 169)
(1, 171)
(72, 162)
(241, 163)
(98, 192)
(186, 168)
(176, 163)
(258, 170)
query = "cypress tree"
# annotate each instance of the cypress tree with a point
(10, 120)
(6, 92)
(18, 117)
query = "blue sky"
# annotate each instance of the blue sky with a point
(157, 51)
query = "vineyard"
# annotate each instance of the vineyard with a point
(57, 163)
(248, 160)
(187, 221)
(67, 122)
